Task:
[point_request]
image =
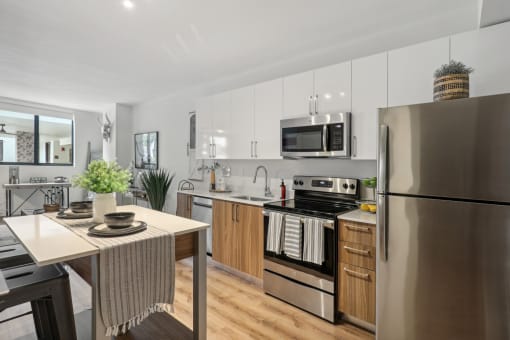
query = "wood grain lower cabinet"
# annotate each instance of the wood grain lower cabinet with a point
(238, 236)
(184, 244)
(357, 292)
(356, 270)
(184, 203)
(250, 223)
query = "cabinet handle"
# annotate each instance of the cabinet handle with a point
(256, 143)
(355, 228)
(210, 150)
(316, 104)
(214, 150)
(237, 213)
(187, 149)
(354, 146)
(357, 251)
(310, 106)
(251, 149)
(233, 212)
(355, 273)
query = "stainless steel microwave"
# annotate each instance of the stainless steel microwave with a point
(326, 135)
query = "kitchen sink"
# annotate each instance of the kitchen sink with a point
(251, 198)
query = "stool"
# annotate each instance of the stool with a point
(13, 255)
(47, 289)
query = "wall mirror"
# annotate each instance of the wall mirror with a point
(146, 150)
(55, 140)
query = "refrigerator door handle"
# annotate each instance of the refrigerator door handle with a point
(382, 226)
(382, 160)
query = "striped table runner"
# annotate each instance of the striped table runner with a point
(136, 274)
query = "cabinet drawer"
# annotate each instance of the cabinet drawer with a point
(355, 232)
(357, 292)
(357, 255)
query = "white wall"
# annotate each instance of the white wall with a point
(86, 130)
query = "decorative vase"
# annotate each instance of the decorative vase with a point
(103, 204)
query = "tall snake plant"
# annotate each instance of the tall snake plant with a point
(156, 184)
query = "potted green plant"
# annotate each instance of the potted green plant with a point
(156, 184)
(104, 179)
(451, 81)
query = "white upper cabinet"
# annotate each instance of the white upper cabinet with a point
(222, 126)
(268, 112)
(369, 93)
(298, 93)
(332, 89)
(242, 136)
(204, 128)
(411, 71)
(488, 52)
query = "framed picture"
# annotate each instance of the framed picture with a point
(146, 150)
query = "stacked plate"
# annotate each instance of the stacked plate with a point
(118, 224)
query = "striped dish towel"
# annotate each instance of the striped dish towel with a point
(136, 274)
(293, 236)
(313, 243)
(274, 232)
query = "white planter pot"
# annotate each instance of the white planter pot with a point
(103, 204)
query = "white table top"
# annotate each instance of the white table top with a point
(49, 242)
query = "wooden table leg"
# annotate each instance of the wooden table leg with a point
(98, 328)
(200, 287)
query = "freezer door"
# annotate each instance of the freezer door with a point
(447, 275)
(457, 148)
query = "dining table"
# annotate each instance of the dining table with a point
(48, 242)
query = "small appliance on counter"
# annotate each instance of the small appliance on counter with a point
(300, 255)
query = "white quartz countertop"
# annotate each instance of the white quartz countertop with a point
(359, 216)
(228, 197)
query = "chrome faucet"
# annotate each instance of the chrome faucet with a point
(267, 191)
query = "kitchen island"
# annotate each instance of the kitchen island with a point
(49, 242)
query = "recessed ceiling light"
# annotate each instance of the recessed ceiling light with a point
(128, 4)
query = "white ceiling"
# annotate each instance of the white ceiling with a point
(88, 54)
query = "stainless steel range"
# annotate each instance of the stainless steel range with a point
(300, 234)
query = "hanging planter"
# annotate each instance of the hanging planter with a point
(451, 81)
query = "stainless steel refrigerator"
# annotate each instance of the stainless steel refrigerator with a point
(443, 262)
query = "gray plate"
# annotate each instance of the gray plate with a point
(103, 230)
(73, 216)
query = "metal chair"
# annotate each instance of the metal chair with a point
(47, 289)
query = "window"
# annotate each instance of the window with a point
(35, 139)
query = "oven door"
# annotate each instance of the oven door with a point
(324, 271)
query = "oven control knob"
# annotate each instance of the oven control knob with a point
(352, 186)
(346, 186)
(296, 182)
(301, 183)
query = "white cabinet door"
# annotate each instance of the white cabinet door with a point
(221, 124)
(297, 95)
(369, 93)
(241, 141)
(204, 128)
(333, 89)
(488, 52)
(268, 112)
(411, 71)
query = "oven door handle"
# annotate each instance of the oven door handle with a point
(325, 223)
(325, 138)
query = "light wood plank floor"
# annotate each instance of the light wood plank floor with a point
(236, 310)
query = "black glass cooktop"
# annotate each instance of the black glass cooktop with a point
(311, 208)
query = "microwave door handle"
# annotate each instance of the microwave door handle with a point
(325, 138)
